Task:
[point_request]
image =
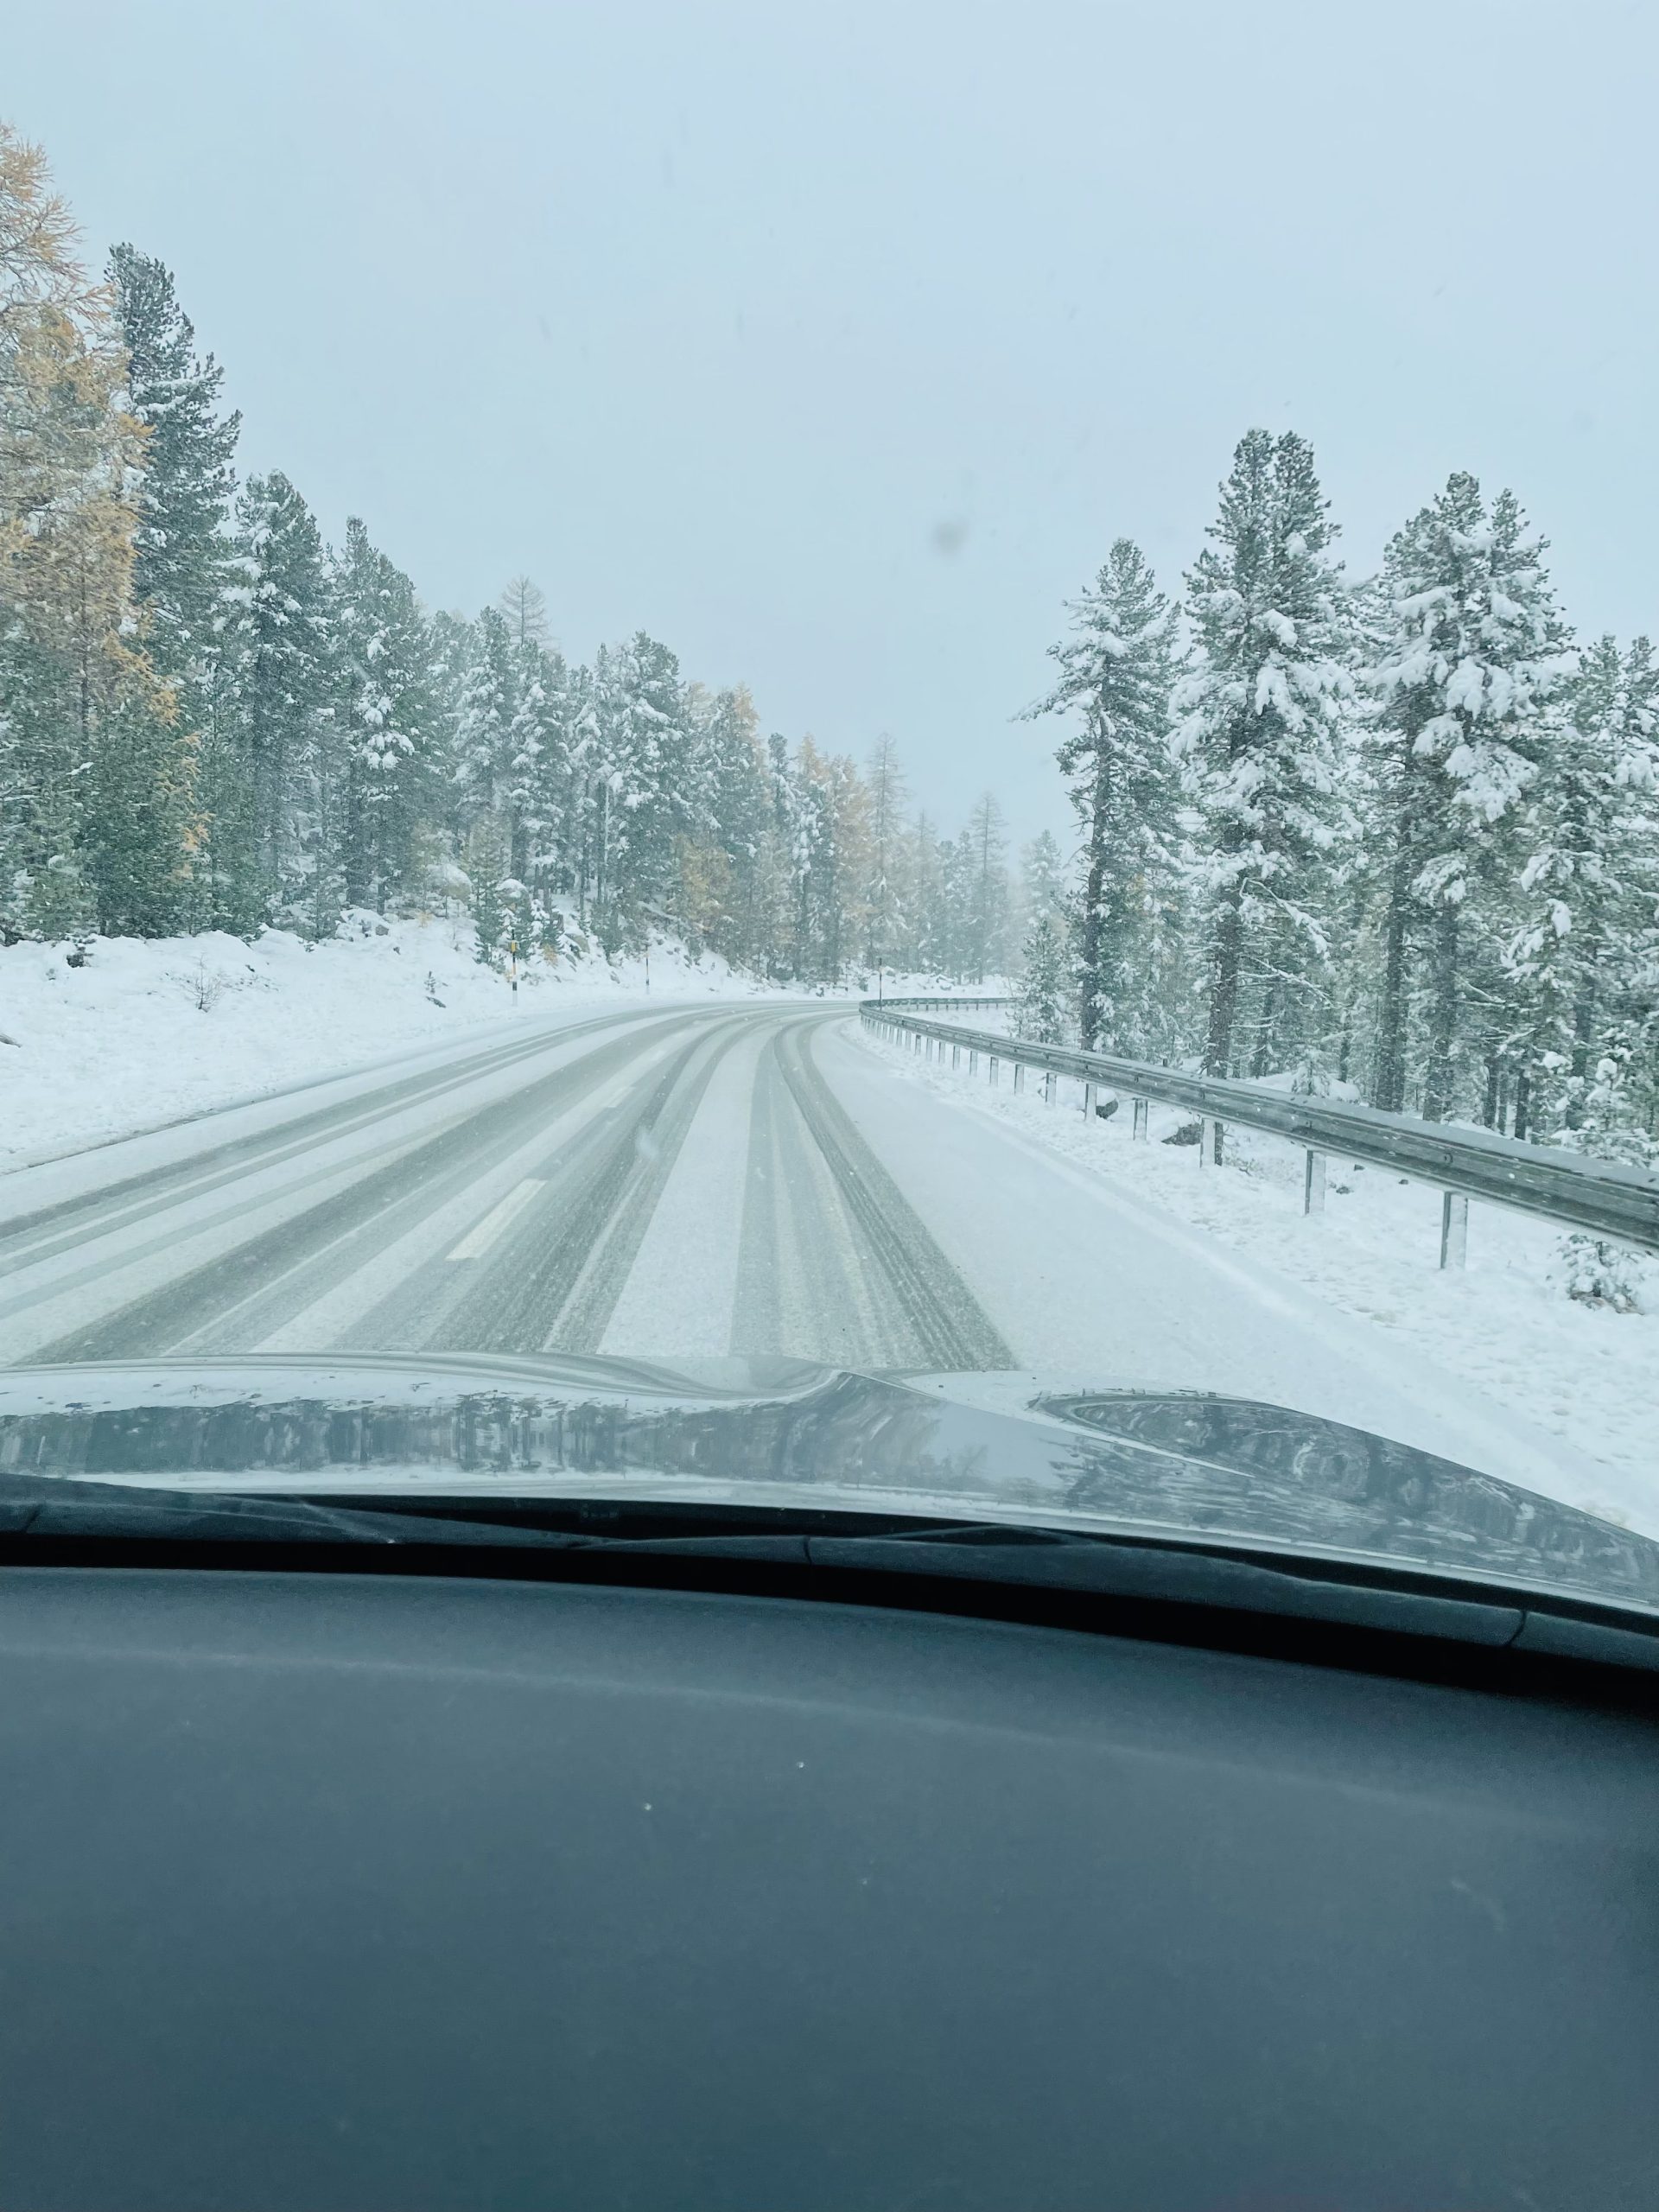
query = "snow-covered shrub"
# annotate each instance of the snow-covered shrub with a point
(1596, 1270)
(1600, 1273)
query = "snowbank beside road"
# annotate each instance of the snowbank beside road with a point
(1500, 1324)
(147, 1030)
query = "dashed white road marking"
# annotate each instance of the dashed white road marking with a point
(477, 1241)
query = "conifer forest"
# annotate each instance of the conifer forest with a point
(1378, 819)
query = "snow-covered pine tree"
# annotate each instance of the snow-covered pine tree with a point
(1597, 1271)
(986, 946)
(182, 575)
(482, 748)
(1469, 679)
(385, 717)
(494, 892)
(846, 921)
(729, 849)
(1115, 680)
(958, 872)
(778, 902)
(1588, 823)
(884, 907)
(1042, 877)
(646, 745)
(1259, 719)
(183, 550)
(1045, 985)
(812, 860)
(924, 948)
(526, 772)
(546, 744)
(281, 637)
(579, 711)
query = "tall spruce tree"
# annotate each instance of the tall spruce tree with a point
(1470, 679)
(1115, 680)
(384, 709)
(986, 947)
(728, 857)
(487, 709)
(1259, 722)
(1042, 876)
(1587, 824)
(196, 786)
(882, 897)
(646, 741)
(281, 637)
(180, 570)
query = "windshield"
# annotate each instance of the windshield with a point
(951, 696)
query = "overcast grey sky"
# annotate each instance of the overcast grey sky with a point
(729, 322)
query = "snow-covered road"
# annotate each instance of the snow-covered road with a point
(684, 1181)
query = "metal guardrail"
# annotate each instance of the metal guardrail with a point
(1595, 1196)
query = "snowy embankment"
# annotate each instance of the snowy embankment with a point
(1502, 1323)
(147, 1030)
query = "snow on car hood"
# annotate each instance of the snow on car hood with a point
(1003, 1448)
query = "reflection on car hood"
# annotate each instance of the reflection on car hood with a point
(1194, 1468)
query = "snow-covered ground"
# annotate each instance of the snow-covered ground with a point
(146, 1031)
(1590, 1376)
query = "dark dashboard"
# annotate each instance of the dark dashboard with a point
(401, 1890)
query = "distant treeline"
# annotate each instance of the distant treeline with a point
(209, 719)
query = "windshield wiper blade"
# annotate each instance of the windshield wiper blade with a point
(1180, 1574)
(56, 1507)
(1151, 1573)
(1142, 1572)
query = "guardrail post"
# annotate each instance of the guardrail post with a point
(1138, 1120)
(973, 1061)
(1454, 1228)
(1087, 1102)
(1218, 1128)
(1313, 1183)
(955, 1058)
(1018, 1075)
(991, 1062)
(1048, 1087)
(1203, 1138)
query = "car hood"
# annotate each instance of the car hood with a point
(1189, 1467)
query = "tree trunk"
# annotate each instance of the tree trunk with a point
(1489, 1109)
(1388, 1088)
(1584, 1024)
(357, 869)
(1443, 1016)
(1092, 948)
(1224, 959)
(1261, 1058)
(1523, 1101)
